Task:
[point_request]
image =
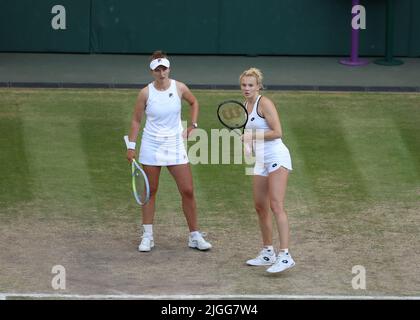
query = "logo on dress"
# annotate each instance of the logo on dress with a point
(274, 165)
(252, 119)
(170, 95)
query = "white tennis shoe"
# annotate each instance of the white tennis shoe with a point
(284, 261)
(147, 243)
(197, 242)
(265, 258)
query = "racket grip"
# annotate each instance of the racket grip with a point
(126, 141)
(129, 144)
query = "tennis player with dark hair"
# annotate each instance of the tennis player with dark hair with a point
(272, 166)
(162, 145)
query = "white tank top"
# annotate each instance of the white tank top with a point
(255, 121)
(265, 149)
(163, 112)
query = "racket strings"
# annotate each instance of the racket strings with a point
(232, 114)
(140, 185)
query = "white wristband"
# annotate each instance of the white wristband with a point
(131, 145)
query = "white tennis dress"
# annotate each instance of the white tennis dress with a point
(162, 143)
(270, 154)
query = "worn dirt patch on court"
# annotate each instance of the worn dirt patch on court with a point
(102, 257)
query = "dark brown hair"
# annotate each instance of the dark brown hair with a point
(158, 54)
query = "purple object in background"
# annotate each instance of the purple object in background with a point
(354, 57)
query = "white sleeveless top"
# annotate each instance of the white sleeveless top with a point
(163, 112)
(266, 150)
(255, 121)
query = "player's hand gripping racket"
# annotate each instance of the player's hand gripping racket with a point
(233, 115)
(140, 183)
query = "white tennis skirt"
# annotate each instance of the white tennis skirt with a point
(271, 155)
(162, 151)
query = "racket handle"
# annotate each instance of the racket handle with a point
(126, 141)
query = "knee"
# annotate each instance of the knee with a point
(277, 207)
(261, 208)
(153, 190)
(187, 193)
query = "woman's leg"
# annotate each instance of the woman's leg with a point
(267, 255)
(262, 206)
(183, 178)
(277, 183)
(153, 173)
(148, 210)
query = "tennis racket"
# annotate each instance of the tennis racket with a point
(233, 115)
(139, 181)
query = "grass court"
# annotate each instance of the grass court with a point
(65, 199)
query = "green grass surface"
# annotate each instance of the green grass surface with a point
(356, 177)
(65, 146)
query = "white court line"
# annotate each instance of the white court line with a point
(5, 296)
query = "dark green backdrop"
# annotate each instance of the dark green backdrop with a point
(265, 27)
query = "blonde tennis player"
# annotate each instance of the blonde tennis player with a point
(272, 167)
(162, 145)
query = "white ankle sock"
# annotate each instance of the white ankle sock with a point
(284, 251)
(194, 234)
(269, 248)
(148, 229)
